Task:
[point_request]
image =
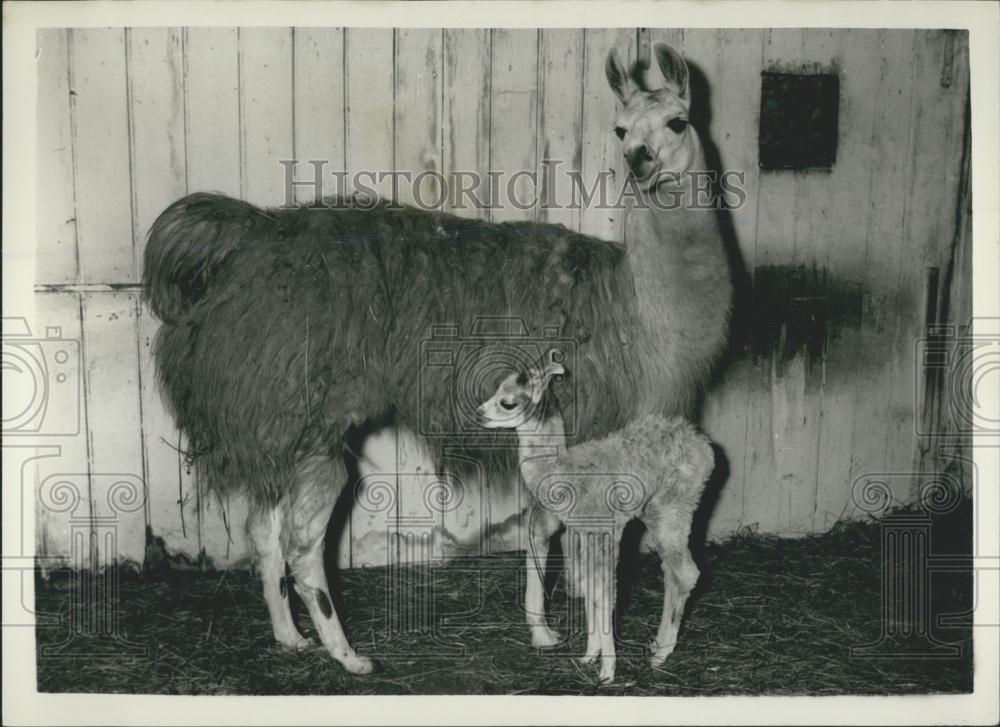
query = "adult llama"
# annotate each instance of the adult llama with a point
(287, 330)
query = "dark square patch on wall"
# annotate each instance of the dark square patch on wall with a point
(798, 120)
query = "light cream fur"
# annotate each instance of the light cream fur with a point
(654, 470)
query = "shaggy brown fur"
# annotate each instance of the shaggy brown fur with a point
(285, 327)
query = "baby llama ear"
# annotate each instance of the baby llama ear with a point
(553, 365)
(552, 369)
(539, 378)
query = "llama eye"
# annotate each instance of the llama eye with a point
(508, 405)
(677, 125)
(620, 131)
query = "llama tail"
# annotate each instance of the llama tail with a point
(188, 243)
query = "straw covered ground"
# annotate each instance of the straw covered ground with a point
(770, 616)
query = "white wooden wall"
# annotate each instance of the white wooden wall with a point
(130, 120)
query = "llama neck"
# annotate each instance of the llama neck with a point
(683, 293)
(539, 440)
(675, 215)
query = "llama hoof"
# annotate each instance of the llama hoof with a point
(587, 659)
(660, 655)
(545, 638)
(606, 677)
(356, 664)
(299, 643)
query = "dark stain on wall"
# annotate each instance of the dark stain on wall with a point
(800, 310)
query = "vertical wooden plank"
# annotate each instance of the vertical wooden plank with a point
(797, 391)
(885, 248)
(156, 112)
(602, 152)
(56, 253)
(53, 345)
(513, 157)
(775, 244)
(158, 139)
(114, 424)
(735, 113)
(840, 238)
(319, 101)
(212, 110)
(417, 116)
(466, 120)
(101, 155)
(732, 82)
(560, 122)
(514, 122)
(265, 112)
(417, 130)
(418, 153)
(928, 229)
(318, 55)
(466, 159)
(702, 49)
(173, 499)
(370, 88)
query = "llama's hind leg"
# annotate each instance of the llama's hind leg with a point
(264, 527)
(680, 574)
(319, 481)
(541, 527)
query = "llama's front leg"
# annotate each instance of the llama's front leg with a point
(606, 636)
(264, 528)
(680, 574)
(584, 561)
(541, 528)
(591, 610)
(606, 603)
(319, 483)
(598, 556)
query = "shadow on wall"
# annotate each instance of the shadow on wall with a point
(785, 310)
(782, 311)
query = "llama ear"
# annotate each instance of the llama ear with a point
(674, 69)
(540, 379)
(553, 364)
(553, 368)
(618, 78)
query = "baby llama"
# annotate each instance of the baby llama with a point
(654, 469)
